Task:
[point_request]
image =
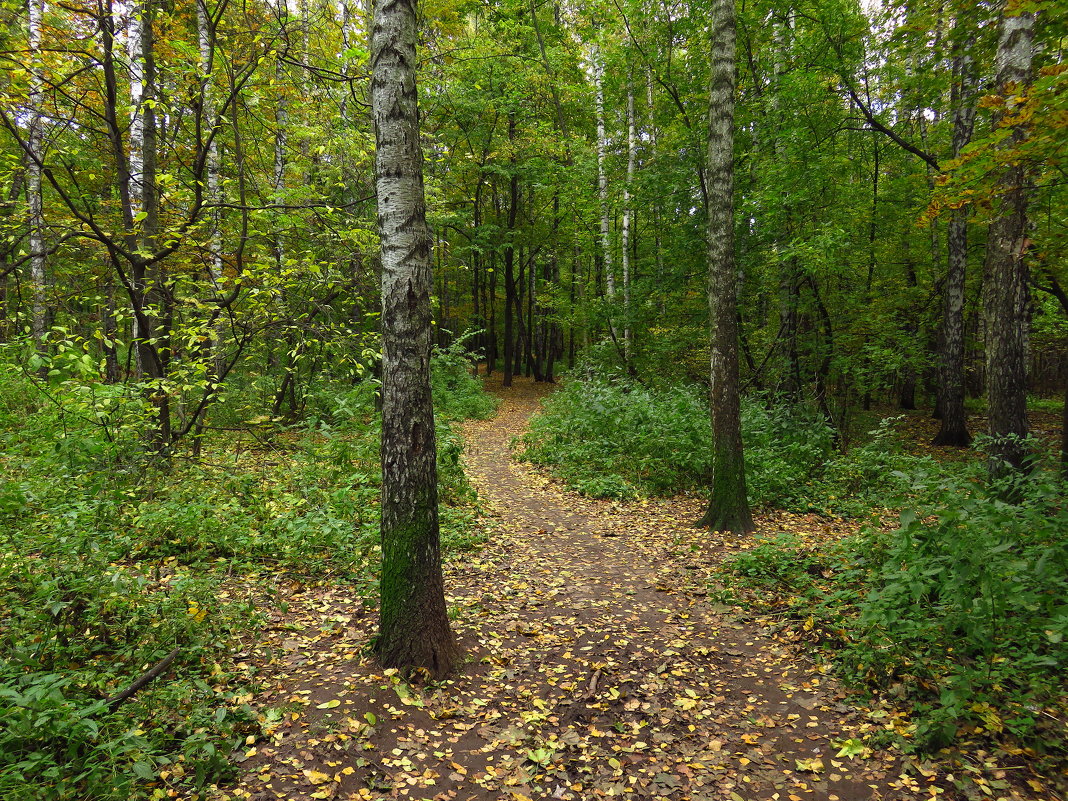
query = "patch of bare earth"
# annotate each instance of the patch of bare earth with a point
(596, 667)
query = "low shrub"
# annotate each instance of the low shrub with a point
(959, 614)
(110, 558)
(613, 439)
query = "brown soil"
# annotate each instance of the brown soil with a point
(596, 667)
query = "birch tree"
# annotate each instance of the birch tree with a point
(35, 156)
(602, 181)
(413, 624)
(628, 217)
(728, 505)
(1008, 292)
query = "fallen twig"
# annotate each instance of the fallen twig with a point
(152, 673)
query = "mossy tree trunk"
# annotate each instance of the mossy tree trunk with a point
(414, 628)
(728, 506)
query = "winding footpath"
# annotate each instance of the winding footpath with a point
(596, 667)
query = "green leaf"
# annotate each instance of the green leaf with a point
(144, 771)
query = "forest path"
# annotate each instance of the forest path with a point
(596, 667)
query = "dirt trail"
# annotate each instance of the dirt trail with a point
(596, 668)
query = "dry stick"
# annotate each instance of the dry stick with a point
(154, 672)
(592, 691)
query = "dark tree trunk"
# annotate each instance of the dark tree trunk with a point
(414, 628)
(491, 304)
(907, 396)
(728, 506)
(510, 356)
(950, 405)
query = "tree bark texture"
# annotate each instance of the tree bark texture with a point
(602, 185)
(628, 218)
(38, 266)
(954, 429)
(728, 506)
(1008, 293)
(413, 625)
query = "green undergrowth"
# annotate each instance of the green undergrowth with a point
(610, 438)
(109, 559)
(957, 616)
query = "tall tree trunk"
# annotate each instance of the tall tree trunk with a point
(206, 42)
(789, 280)
(954, 428)
(511, 354)
(728, 506)
(38, 266)
(658, 250)
(413, 622)
(602, 187)
(1008, 295)
(491, 304)
(628, 218)
(152, 309)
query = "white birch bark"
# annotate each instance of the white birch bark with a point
(135, 57)
(628, 216)
(38, 265)
(602, 181)
(413, 625)
(278, 181)
(214, 186)
(1007, 274)
(650, 104)
(136, 159)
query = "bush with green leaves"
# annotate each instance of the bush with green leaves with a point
(458, 393)
(781, 564)
(110, 558)
(960, 612)
(77, 626)
(612, 438)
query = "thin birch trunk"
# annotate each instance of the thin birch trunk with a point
(728, 506)
(650, 103)
(602, 183)
(954, 428)
(38, 265)
(214, 187)
(628, 218)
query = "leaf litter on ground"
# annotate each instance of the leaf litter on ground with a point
(597, 666)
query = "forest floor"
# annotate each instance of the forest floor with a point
(595, 666)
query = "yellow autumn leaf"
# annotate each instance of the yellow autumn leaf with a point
(329, 704)
(317, 776)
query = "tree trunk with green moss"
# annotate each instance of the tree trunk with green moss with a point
(414, 628)
(728, 506)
